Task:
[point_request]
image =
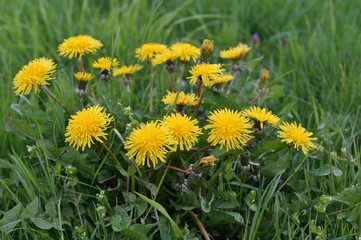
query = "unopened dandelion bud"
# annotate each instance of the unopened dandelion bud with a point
(207, 48)
(264, 75)
(208, 162)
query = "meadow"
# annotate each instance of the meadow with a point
(270, 190)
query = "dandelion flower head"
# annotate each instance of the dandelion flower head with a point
(206, 72)
(105, 63)
(180, 98)
(222, 79)
(228, 128)
(185, 51)
(127, 70)
(36, 73)
(148, 51)
(235, 53)
(262, 116)
(149, 144)
(297, 136)
(164, 56)
(184, 129)
(83, 76)
(86, 126)
(78, 46)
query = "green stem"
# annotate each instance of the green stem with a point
(49, 93)
(117, 163)
(151, 88)
(203, 90)
(80, 60)
(180, 79)
(200, 225)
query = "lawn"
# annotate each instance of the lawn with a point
(233, 176)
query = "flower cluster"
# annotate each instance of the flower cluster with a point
(151, 143)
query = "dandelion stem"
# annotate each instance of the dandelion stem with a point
(189, 171)
(178, 170)
(172, 81)
(180, 79)
(260, 92)
(76, 203)
(202, 91)
(81, 65)
(151, 88)
(112, 155)
(51, 95)
(200, 225)
(233, 67)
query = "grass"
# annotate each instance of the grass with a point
(312, 50)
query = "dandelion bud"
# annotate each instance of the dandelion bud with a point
(208, 162)
(207, 48)
(264, 75)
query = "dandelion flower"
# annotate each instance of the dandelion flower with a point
(36, 73)
(185, 51)
(207, 48)
(148, 51)
(86, 125)
(184, 129)
(206, 72)
(180, 98)
(78, 46)
(165, 56)
(222, 79)
(150, 144)
(228, 129)
(83, 76)
(235, 53)
(105, 63)
(264, 75)
(261, 116)
(297, 136)
(208, 162)
(127, 70)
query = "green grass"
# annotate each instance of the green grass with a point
(315, 79)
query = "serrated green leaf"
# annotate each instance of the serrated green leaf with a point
(326, 170)
(10, 219)
(206, 206)
(349, 196)
(162, 210)
(31, 209)
(46, 224)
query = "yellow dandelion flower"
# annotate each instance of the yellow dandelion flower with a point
(148, 51)
(235, 53)
(150, 144)
(127, 70)
(105, 63)
(264, 75)
(164, 56)
(83, 76)
(78, 46)
(185, 51)
(261, 116)
(180, 98)
(222, 79)
(207, 48)
(184, 129)
(206, 72)
(297, 136)
(86, 125)
(208, 162)
(228, 128)
(36, 73)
